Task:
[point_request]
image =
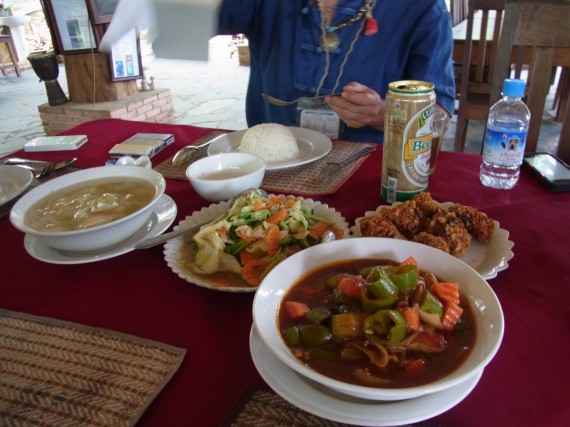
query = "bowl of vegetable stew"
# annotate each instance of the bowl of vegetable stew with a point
(379, 318)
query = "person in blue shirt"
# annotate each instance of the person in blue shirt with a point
(357, 47)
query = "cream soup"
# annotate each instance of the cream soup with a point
(90, 204)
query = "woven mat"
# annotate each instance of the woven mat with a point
(295, 180)
(55, 373)
(259, 406)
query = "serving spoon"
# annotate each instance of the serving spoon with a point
(182, 154)
(161, 238)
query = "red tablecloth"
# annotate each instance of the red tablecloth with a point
(136, 293)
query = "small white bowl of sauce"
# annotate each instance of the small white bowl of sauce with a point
(222, 176)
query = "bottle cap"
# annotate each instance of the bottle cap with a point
(514, 87)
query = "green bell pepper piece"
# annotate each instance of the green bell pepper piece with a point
(318, 315)
(387, 327)
(379, 292)
(291, 335)
(314, 335)
(431, 304)
(405, 277)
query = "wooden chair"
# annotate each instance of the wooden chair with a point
(7, 39)
(459, 10)
(478, 65)
(541, 25)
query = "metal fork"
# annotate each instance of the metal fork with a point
(331, 168)
(281, 103)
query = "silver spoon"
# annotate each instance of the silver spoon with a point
(281, 103)
(328, 236)
(181, 155)
(161, 238)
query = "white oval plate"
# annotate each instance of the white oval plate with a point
(162, 217)
(312, 146)
(326, 403)
(13, 181)
(176, 250)
(487, 260)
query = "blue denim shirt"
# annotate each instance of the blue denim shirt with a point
(414, 42)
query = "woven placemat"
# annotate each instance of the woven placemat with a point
(296, 180)
(56, 373)
(259, 406)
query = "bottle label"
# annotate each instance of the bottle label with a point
(504, 148)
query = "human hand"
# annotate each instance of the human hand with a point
(359, 106)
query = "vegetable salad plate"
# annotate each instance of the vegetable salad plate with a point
(14, 180)
(178, 251)
(486, 259)
(327, 403)
(312, 146)
(162, 217)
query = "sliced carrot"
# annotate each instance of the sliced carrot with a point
(272, 239)
(412, 317)
(222, 231)
(415, 366)
(245, 257)
(409, 261)
(451, 315)
(351, 286)
(446, 291)
(252, 271)
(259, 204)
(278, 216)
(296, 310)
(245, 237)
(319, 229)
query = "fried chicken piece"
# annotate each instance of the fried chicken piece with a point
(378, 226)
(447, 226)
(476, 222)
(408, 219)
(426, 204)
(431, 240)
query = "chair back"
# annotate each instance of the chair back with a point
(542, 27)
(459, 10)
(484, 23)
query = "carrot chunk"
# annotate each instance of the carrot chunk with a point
(409, 261)
(446, 291)
(351, 286)
(296, 310)
(451, 315)
(253, 270)
(412, 317)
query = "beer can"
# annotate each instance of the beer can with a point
(410, 106)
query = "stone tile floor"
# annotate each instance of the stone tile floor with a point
(208, 94)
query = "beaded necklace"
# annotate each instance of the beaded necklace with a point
(330, 39)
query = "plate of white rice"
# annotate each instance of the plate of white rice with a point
(280, 146)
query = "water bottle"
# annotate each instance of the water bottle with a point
(505, 138)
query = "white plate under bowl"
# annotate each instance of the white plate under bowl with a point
(487, 260)
(312, 146)
(13, 181)
(163, 215)
(326, 403)
(486, 308)
(176, 250)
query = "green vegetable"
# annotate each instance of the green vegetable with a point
(431, 304)
(318, 315)
(292, 335)
(379, 292)
(405, 277)
(387, 327)
(315, 335)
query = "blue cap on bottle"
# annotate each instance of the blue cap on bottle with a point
(513, 87)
